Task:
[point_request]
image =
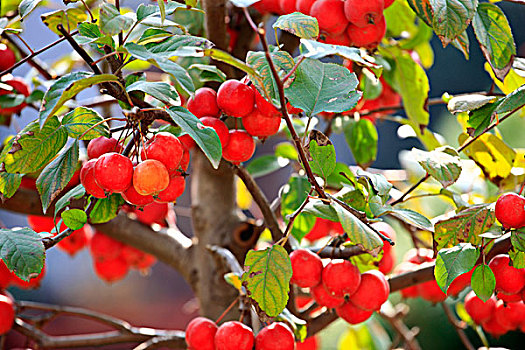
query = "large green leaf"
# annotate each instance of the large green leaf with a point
(483, 282)
(26, 6)
(34, 147)
(323, 87)
(267, 278)
(163, 92)
(90, 33)
(319, 209)
(464, 227)
(443, 164)
(69, 19)
(111, 21)
(205, 137)
(362, 138)
(452, 17)
(495, 38)
(322, 159)
(56, 175)
(67, 87)
(105, 209)
(293, 195)
(518, 239)
(266, 164)
(452, 262)
(80, 120)
(22, 251)
(515, 99)
(298, 24)
(9, 183)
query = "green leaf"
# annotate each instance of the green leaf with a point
(366, 262)
(90, 33)
(515, 99)
(34, 147)
(56, 175)
(452, 17)
(286, 150)
(466, 103)
(322, 159)
(163, 92)
(323, 87)
(319, 209)
(495, 38)
(412, 218)
(518, 239)
(358, 233)
(26, 7)
(452, 262)
(267, 278)
(75, 219)
(300, 25)
(162, 10)
(480, 119)
(80, 120)
(106, 209)
(75, 193)
(336, 179)
(518, 258)
(225, 57)
(22, 251)
(462, 44)
(265, 165)
(205, 137)
(207, 73)
(443, 164)
(299, 326)
(144, 11)
(423, 9)
(378, 182)
(9, 183)
(69, 19)
(466, 226)
(67, 87)
(483, 282)
(293, 195)
(362, 138)
(111, 21)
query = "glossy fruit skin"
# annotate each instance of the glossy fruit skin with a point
(111, 270)
(7, 313)
(220, 128)
(134, 198)
(165, 148)
(259, 125)
(352, 314)
(330, 15)
(509, 279)
(264, 106)
(388, 3)
(287, 6)
(369, 36)
(265, 6)
(477, 309)
(276, 336)
(362, 13)
(113, 172)
(460, 283)
(304, 6)
(510, 210)
(87, 179)
(307, 268)
(150, 177)
(5, 275)
(240, 148)
(153, 213)
(21, 87)
(235, 98)
(184, 163)
(7, 57)
(103, 247)
(509, 298)
(339, 39)
(309, 343)
(200, 334)
(323, 298)
(341, 277)
(174, 190)
(372, 292)
(102, 145)
(234, 335)
(204, 103)
(430, 291)
(510, 316)
(187, 142)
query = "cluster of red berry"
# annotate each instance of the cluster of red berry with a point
(7, 60)
(340, 285)
(342, 22)
(7, 313)
(510, 210)
(203, 334)
(504, 311)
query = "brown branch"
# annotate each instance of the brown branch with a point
(338, 253)
(458, 326)
(33, 61)
(406, 334)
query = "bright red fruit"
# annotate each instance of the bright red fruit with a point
(102, 145)
(352, 314)
(220, 128)
(174, 190)
(388, 3)
(103, 247)
(509, 298)
(111, 270)
(322, 228)
(341, 277)
(166, 148)
(330, 15)
(134, 198)
(287, 6)
(184, 163)
(276, 336)
(339, 39)
(265, 6)
(293, 110)
(477, 309)
(187, 142)
(509, 279)
(20, 87)
(40, 223)
(510, 210)
(200, 334)
(113, 172)
(234, 335)
(430, 291)
(240, 148)
(153, 213)
(307, 268)
(87, 179)
(5, 275)
(7, 57)
(260, 125)
(510, 315)
(459, 283)
(34, 282)
(150, 177)
(235, 98)
(362, 13)
(204, 103)
(323, 298)
(264, 106)
(369, 36)
(304, 6)
(493, 327)
(7, 313)
(308, 344)
(372, 292)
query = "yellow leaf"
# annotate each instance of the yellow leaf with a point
(511, 82)
(234, 280)
(244, 198)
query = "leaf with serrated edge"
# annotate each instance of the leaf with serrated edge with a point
(323, 159)
(75, 219)
(267, 278)
(518, 239)
(298, 24)
(413, 218)
(452, 262)
(442, 166)
(80, 120)
(9, 183)
(483, 282)
(111, 21)
(466, 226)
(22, 251)
(319, 209)
(106, 209)
(452, 17)
(163, 92)
(68, 18)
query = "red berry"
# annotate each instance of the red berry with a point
(323, 298)
(459, 283)
(150, 177)
(307, 268)
(134, 198)
(352, 314)
(330, 16)
(220, 128)
(339, 39)
(265, 6)
(174, 190)
(200, 334)
(322, 228)
(259, 125)
(102, 145)
(304, 6)
(34, 281)
(510, 315)
(509, 279)
(113, 172)
(372, 292)
(40, 223)
(184, 163)
(103, 247)
(153, 213)
(235, 98)
(362, 13)
(386, 264)
(204, 103)
(287, 6)
(509, 298)
(5, 275)
(493, 327)
(264, 107)
(369, 36)
(187, 142)
(310, 343)
(7, 313)
(510, 210)
(234, 335)
(240, 148)
(388, 3)
(478, 310)
(292, 110)
(7, 57)
(341, 278)
(111, 270)
(19, 87)
(430, 291)
(165, 148)
(276, 336)
(87, 179)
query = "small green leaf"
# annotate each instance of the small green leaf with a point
(443, 164)
(286, 150)
(111, 21)
(75, 193)
(80, 120)
(298, 24)
(56, 175)
(69, 19)
(319, 209)
(336, 179)
(293, 195)
(162, 10)
(9, 183)
(106, 209)
(163, 92)
(362, 138)
(205, 137)
(412, 218)
(483, 282)
(423, 9)
(322, 159)
(22, 251)
(518, 258)
(378, 182)
(518, 239)
(267, 278)
(27, 6)
(480, 119)
(452, 17)
(452, 262)
(265, 165)
(207, 73)
(144, 11)
(75, 219)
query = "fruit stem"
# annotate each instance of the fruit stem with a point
(227, 310)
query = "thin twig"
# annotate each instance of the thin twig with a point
(458, 326)
(407, 335)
